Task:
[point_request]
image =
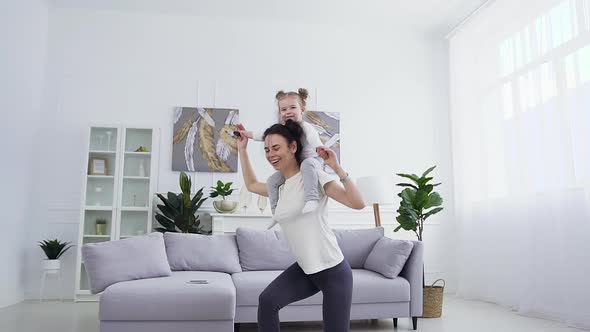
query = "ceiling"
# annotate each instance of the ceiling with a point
(435, 16)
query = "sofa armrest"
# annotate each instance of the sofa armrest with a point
(413, 272)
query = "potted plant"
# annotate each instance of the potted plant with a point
(419, 202)
(53, 249)
(223, 190)
(100, 226)
(179, 211)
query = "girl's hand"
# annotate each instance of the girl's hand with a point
(329, 156)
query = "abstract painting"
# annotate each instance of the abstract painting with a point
(327, 124)
(203, 140)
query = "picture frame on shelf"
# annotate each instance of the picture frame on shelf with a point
(98, 166)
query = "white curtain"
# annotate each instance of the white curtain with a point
(520, 117)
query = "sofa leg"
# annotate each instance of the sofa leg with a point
(415, 323)
(395, 323)
(236, 327)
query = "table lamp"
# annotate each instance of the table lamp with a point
(376, 190)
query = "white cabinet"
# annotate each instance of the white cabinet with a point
(119, 180)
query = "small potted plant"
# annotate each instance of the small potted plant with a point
(100, 226)
(53, 249)
(223, 190)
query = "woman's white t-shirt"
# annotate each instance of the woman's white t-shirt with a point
(311, 240)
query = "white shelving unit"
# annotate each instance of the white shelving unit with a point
(123, 196)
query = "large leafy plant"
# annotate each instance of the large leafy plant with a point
(179, 211)
(54, 249)
(417, 198)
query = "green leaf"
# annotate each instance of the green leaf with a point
(174, 201)
(412, 177)
(428, 171)
(227, 185)
(423, 181)
(169, 224)
(219, 183)
(408, 196)
(433, 211)
(408, 210)
(406, 222)
(214, 194)
(397, 228)
(434, 199)
(185, 183)
(168, 212)
(420, 200)
(407, 185)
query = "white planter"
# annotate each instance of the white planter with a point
(51, 265)
(225, 206)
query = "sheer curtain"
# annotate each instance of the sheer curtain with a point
(520, 117)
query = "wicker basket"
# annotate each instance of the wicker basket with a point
(433, 300)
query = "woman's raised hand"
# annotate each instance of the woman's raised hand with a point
(243, 138)
(329, 156)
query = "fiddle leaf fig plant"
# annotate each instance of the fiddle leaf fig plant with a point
(419, 202)
(179, 211)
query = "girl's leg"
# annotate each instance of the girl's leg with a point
(336, 286)
(309, 171)
(290, 286)
(272, 186)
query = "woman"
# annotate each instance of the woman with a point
(320, 265)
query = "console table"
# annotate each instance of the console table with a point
(228, 222)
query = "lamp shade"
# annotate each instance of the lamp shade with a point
(376, 189)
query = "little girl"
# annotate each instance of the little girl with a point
(291, 107)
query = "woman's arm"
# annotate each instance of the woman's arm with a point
(250, 180)
(347, 194)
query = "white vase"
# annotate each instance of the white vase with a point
(141, 168)
(51, 265)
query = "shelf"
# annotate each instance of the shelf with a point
(101, 177)
(136, 177)
(135, 208)
(131, 153)
(99, 152)
(98, 208)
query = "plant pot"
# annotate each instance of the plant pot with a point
(225, 206)
(433, 300)
(51, 264)
(100, 229)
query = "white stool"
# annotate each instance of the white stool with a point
(50, 269)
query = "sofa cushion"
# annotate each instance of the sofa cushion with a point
(196, 252)
(263, 249)
(356, 244)
(110, 262)
(368, 287)
(171, 298)
(389, 256)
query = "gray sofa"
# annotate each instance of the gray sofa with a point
(237, 267)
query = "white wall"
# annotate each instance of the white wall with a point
(389, 83)
(23, 36)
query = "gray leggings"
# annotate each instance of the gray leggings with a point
(293, 285)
